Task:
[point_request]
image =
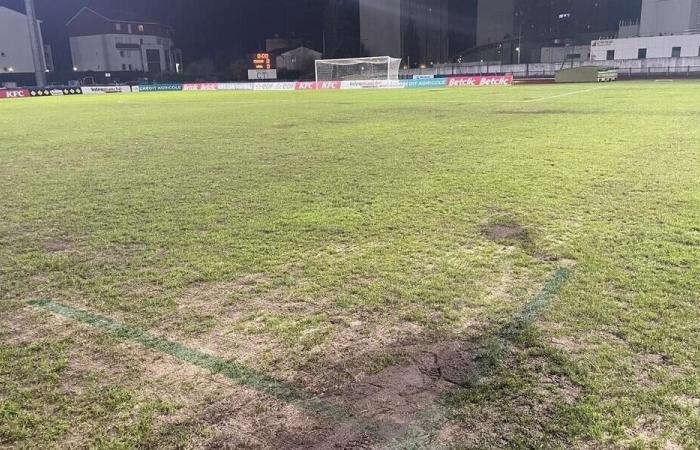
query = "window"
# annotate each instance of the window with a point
(123, 66)
(130, 68)
(121, 53)
(611, 55)
(698, 52)
(128, 26)
(642, 53)
(676, 52)
(118, 26)
(141, 28)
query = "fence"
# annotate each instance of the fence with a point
(649, 68)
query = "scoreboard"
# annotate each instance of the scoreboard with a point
(261, 61)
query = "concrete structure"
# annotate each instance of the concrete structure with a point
(568, 53)
(301, 59)
(15, 45)
(417, 31)
(661, 17)
(677, 46)
(341, 29)
(628, 28)
(543, 21)
(495, 21)
(115, 41)
(380, 27)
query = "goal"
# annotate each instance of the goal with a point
(372, 68)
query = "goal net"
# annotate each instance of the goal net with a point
(373, 68)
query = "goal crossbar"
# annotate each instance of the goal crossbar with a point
(365, 68)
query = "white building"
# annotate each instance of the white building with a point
(415, 30)
(667, 29)
(103, 41)
(300, 59)
(15, 44)
(674, 46)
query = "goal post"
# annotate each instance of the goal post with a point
(351, 69)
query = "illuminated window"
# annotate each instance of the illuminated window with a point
(118, 26)
(141, 28)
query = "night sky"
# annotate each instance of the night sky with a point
(228, 29)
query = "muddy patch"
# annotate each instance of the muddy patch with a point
(57, 245)
(505, 232)
(386, 404)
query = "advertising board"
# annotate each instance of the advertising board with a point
(505, 80)
(200, 87)
(164, 87)
(14, 93)
(91, 90)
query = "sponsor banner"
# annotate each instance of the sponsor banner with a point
(236, 86)
(158, 87)
(506, 80)
(58, 91)
(281, 86)
(200, 87)
(425, 83)
(40, 92)
(311, 85)
(371, 84)
(14, 93)
(90, 90)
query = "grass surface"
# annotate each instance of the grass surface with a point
(330, 241)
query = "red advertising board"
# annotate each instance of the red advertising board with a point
(14, 93)
(309, 85)
(200, 87)
(505, 80)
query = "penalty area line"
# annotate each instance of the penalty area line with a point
(421, 433)
(237, 373)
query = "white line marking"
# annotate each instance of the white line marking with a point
(566, 94)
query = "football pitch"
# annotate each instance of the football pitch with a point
(462, 268)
